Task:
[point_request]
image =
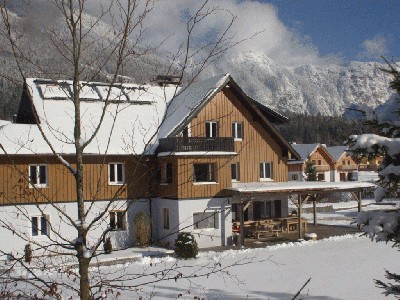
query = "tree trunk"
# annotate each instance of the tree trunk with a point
(84, 278)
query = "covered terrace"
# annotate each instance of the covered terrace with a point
(246, 193)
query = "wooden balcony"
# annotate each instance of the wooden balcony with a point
(348, 167)
(371, 167)
(322, 168)
(201, 144)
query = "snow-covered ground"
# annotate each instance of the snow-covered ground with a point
(339, 267)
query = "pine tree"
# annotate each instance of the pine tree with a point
(310, 172)
(384, 226)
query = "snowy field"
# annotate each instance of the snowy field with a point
(339, 268)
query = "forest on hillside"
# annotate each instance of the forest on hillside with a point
(332, 131)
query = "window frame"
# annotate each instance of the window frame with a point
(295, 177)
(235, 131)
(116, 181)
(40, 219)
(263, 169)
(206, 216)
(236, 167)
(166, 178)
(212, 170)
(116, 223)
(166, 219)
(38, 175)
(209, 132)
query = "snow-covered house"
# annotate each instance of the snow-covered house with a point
(318, 154)
(168, 151)
(345, 167)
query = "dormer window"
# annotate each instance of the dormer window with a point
(211, 129)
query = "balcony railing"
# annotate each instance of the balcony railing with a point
(347, 167)
(322, 168)
(201, 144)
(371, 167)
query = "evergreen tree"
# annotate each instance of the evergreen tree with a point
(310, 172)
(384, 226)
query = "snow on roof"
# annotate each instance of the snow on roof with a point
(336, 151)
(188, 100)
(298, 186)
(4, 122)
(304, 150)
(130, 123)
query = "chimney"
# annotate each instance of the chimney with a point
(165, 80)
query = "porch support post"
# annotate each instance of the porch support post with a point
(241, 218)
(314, 210)
(299, 216)
(359, 200)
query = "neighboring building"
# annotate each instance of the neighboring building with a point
(318, 154)
(173, 157)
(345, 167)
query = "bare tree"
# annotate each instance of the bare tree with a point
(92, 51)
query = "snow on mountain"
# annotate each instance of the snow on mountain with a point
(327, 89)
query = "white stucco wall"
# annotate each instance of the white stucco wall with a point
(19, 233)
(181, 219)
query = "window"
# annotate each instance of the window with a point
(166, 218)
(319, 162)
(40, 225)
(204, 173)
(116, 173)
(205, 220)
(237, 130)
(343, 162)
(211, 129)
(321, 176)
(166, 173)
(266, 170)
(295, 176)
(235, 171)
(118, 220)
(38, 176)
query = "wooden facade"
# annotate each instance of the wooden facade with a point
(61, 186)
(257, 145)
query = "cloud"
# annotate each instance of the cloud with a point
(373, 48)
(166, 23)
(275, 40)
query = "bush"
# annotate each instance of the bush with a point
(186, 246)
(294, 212)
(28, 253)
(142, 224)
(108, 248)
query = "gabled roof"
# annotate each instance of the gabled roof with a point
(306, 150)
(186, 105)
(136, 117)
(337, 151)
(188, 102)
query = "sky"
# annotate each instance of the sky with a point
(293, 32)
(352, 29)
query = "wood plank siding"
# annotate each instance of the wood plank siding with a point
(61, 187)
(256, 146)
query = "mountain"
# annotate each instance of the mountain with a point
(326, 90)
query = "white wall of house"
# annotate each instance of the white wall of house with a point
(181, 219)
(20, 231)
(367, 176)
(336, 175)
